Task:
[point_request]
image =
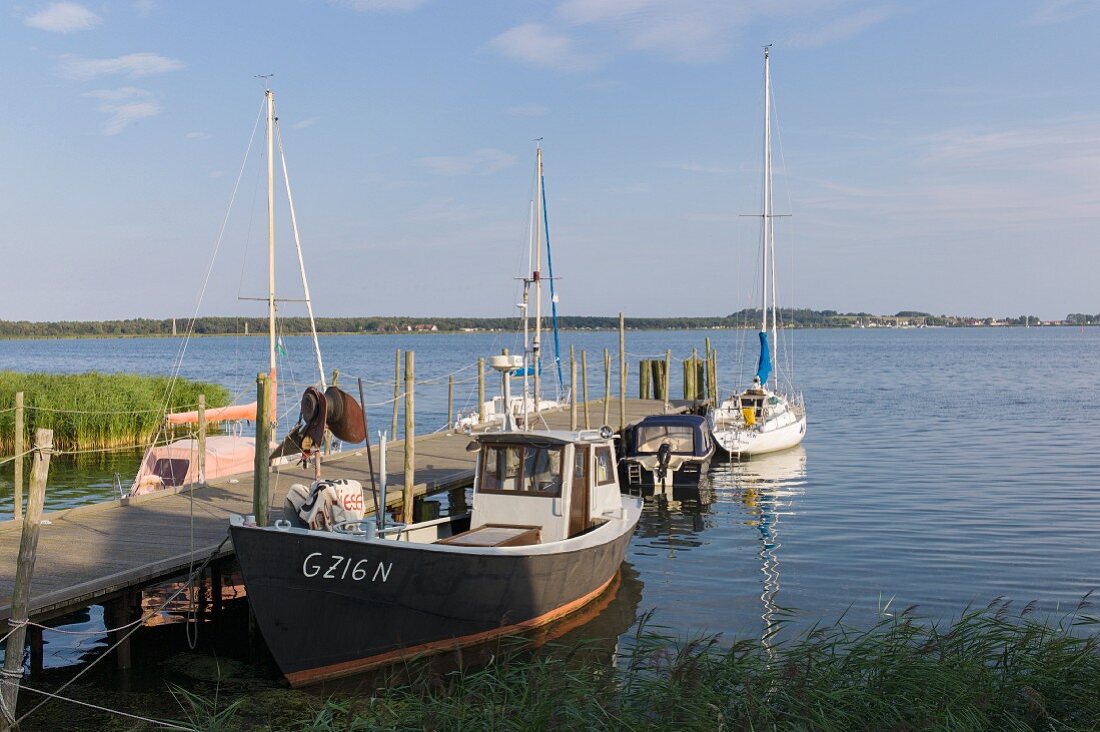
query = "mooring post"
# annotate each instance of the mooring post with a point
(19, 448)
(713, 366)
(262, 464)
(606, 387)
(202, 440)
(450, 401)
(118, 613)
(24, 572)
(706, 369)
(572, 389)
(584, 386)
(667, 375)
(643, 378)
(34, 640)
(622, 372)
(480, 390)
(410, 441)
(396, 390)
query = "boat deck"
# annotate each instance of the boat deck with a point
(89, 553)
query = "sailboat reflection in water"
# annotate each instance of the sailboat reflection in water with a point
(769, 485)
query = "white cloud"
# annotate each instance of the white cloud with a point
(688, 30)
(380, 5)
(197, 136)
(479, 162)
(302, 124)
(536, 45)
(123, 106)
(123, 93)
(63, 18)
(145, 8)
(124, 115)
(134, 64)
(1059, 11)
(843, 28)
(532, 110)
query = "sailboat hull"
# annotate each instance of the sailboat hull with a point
(743, 441)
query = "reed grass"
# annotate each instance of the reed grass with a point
(93, 410)
(992, 669)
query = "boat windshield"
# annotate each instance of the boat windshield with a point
(517, 469)
(680, 439)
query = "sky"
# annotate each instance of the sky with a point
(933, 155)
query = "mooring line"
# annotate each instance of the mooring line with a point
(51, 695)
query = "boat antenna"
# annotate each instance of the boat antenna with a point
(265, 77)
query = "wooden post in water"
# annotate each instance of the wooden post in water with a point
(606, 387)
(713, 366)
(24, 572)
(262, 465)
(19, 448)
(667, 375)
(410, 441)
(202, 440)
(572, 388)
(480, 390)
(396, 391)
(584, 383)
(450, 401)
(622, 372)
(643, 378)
(708, 387)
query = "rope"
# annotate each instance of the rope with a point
(13, 458)
(150, 614)
(51, 695)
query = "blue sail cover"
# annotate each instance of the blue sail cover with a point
(764, 367)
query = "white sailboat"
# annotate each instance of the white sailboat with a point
(763, 418)
(176, 463)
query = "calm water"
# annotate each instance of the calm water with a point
(941, 467)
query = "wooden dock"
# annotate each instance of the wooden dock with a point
(88, 554)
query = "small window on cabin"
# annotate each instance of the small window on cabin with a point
(501, 469)
(605, 466)
(579, 468)
(542, 470)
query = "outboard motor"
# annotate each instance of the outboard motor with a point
(664, 455)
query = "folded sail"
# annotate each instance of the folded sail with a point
(217, 414)
(764, 367)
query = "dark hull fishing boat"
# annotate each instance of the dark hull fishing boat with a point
(666, 450)
(546, 536)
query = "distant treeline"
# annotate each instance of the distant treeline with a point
(798, 318)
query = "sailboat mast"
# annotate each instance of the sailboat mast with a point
(770, 242)
(536, 275)
(271, 233)
(767, 223)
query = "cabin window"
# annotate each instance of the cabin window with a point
(526, 469)
(605, 466)
(680, 439)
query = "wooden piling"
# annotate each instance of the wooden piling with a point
(667, 374)
(572, 388)
(450, 401)
(19, 448)
(24, 573)
(480, 390)
(262, 464)
(396, 390)
(201, 456)
(410, 440)
(584, 386)
(644, 369)
(713, 366)
(707, 386)
(606, 387)
(622, 373)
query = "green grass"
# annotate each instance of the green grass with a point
(93, 410)
(992, 669)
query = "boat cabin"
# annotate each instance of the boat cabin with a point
(539, 487)
(685, 434)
